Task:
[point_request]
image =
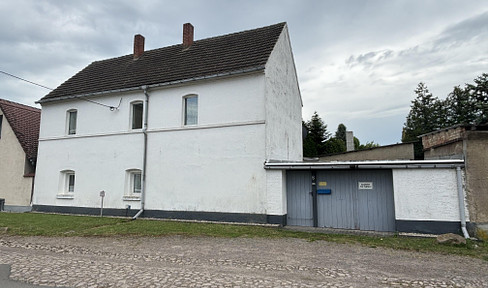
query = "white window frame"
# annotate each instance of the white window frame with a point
(70, 130)
(131, 193)
(131, 123)
(65, 190)
(185, 110)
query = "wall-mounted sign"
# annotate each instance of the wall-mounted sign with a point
(365, 185)
(324, 191)
(322, 183)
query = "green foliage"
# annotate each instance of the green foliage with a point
(423, 116)
(479, 95)
(341, 132)
(357, 143)
(468, 106)
(318, 143)
(368, 145)
(334, 145)
(313, 144)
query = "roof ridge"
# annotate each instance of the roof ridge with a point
(19, 105)
(196, 41)
(242, 32)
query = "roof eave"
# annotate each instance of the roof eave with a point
(164, 84)
(386, 164)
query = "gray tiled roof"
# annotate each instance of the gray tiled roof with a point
(224, 54)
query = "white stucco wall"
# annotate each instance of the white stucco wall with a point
(99, 164)
(215, 166)
(283, 119)
(283, 104)
(276, 192)
(426, 194)
(14, 187)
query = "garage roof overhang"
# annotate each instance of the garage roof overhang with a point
(390, 164)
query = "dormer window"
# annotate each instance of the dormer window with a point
(190, 104)
(71, 122)
(137, 111)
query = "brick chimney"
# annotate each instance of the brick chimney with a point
(187, 35)
(138, 46)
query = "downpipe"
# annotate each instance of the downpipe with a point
(461, 202)
(144, 159)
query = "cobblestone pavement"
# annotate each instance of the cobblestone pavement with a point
(220, 262)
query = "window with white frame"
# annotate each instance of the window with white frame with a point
(133, 186)
(67, 183)
(71, 121)
(190, 107)
(137, 111)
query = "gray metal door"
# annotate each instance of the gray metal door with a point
(376, 208)
(299, 198)
(347, 199)
(358, 199)
(337, 209)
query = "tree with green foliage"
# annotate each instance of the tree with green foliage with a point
(341, 132)
(334, 146)
(314, 143)
(424, 116)
(458, 108)
(368, 145)
(479, 95)
(468, 106)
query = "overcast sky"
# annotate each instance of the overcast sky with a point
(358, 62)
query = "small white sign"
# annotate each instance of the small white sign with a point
(102, 193)
(365, 185)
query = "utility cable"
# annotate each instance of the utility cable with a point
(26, 80)
(112, 108)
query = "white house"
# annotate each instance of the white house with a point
(177, 132)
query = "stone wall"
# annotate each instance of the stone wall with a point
(476, 156)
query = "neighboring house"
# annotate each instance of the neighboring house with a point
(176, 132)
(470, 143)
(19, 134)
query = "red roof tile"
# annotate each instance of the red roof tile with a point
(25, 122)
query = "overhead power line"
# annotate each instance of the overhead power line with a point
(112, 108)
(17, 77)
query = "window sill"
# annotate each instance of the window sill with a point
(131, 198)
(65, 196)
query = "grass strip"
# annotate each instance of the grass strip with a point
(54, 225)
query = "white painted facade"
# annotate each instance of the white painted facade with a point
(426, 195)
(214, 166)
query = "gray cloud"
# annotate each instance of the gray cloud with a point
(357, 61)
